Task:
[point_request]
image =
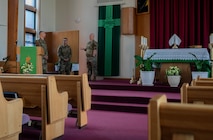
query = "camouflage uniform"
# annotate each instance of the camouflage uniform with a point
(91, 60)
(64, 52)
(43, 44)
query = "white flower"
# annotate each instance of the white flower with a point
(27, 67)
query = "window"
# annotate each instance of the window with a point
(31, 3)
(29, 39)
(30, 22)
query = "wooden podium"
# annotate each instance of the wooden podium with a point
(39, 54)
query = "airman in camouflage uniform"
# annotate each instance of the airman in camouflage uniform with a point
(41, 42)
(64, 54)
(91, 52)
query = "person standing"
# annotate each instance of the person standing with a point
(64, 53)
(91, 54)
(41, 42)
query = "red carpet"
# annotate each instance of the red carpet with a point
(103, 125)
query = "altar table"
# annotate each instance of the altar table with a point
(177, 57)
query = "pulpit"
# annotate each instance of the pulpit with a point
(177, 57)
(38, 52)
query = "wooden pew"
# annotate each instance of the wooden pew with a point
(79, 93)
(41, 98)
(204, 79)
(197, 82)
(174, 121)
(196, 94)
(10, 117)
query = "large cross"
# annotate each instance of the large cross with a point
(108, 24)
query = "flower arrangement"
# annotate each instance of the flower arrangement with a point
(27, 67)
(144, 64)
(172, 71)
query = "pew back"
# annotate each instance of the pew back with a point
(197, 82)
(174, 121)
(205, 79)
(196, 94)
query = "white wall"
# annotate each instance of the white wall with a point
(47, 15)
(3, 28)
(79, 15)
(21, 23)
(82, 15)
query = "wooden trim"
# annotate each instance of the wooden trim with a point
(29, 30)
(30, 8)
(12, 29)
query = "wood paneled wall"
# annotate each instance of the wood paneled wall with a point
(55, 39)
(128, 18)
(142, 29)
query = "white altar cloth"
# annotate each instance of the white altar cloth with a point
(178, 54)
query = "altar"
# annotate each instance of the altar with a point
(176, 57)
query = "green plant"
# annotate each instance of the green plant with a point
(201, 65)
(144, 64)
(173, 70)
(27, 67)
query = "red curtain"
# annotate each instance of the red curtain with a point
(191, 20)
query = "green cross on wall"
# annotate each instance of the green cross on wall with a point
(108, 24)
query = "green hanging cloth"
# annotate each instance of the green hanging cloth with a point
(109, 40)
(28, 60)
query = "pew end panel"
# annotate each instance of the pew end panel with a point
(183, 92)
(79, 92)
(58, 102)
(10, 118)
(153, 117)
(86, 92)
(174, 121)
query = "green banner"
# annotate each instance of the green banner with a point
(109, 40)
(28, 60)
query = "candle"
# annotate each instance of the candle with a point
(141, 40)
(211, 38)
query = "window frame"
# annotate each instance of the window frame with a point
(28, 30)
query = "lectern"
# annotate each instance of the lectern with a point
(39, 53)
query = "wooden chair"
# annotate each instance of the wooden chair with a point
(175, 121)
(196, 94)
(10, 117)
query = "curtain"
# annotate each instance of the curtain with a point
(108, 40)
(191, 20)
